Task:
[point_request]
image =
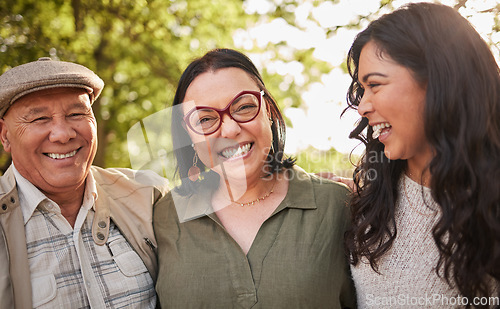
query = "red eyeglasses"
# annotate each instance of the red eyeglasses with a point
(244, 107)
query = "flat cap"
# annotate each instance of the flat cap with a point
(43, 74)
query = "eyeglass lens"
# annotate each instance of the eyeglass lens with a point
(242, 109)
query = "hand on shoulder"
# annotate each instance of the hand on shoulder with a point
(332, 176)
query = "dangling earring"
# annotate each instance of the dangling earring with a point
(194, 171)
(272, 142)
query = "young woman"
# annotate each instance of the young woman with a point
(255, 231)
(426, 215)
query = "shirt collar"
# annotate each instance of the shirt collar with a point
(30, 196)
(300, 195)
(90, 192)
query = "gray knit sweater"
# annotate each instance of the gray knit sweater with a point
(407, 276)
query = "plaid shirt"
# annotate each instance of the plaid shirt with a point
(68, 270)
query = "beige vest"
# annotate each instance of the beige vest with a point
(125, 196)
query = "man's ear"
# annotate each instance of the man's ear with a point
(3, 135)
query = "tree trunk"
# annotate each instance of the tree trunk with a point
(102, 141)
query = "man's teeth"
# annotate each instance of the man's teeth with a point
(377, 129)
(236, 152)
(61, 156)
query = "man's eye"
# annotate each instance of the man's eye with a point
(76, 115)
(40, 119)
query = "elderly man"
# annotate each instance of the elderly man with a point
(72, 235)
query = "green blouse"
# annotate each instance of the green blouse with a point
(297, 259)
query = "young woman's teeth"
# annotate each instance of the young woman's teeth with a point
(378, 128)
(236, 152)
(61, 156)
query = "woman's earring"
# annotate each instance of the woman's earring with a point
(194, 171)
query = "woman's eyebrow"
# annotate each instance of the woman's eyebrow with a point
(366, 76)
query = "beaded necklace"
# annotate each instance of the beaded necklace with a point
(256, 200)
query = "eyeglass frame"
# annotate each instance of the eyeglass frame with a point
(258, 94)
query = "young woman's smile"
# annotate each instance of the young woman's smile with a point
(393, 101)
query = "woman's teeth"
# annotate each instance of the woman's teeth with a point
(61, 156)
(378, 128)
(236, 152)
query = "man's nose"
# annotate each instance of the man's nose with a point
(61, 131)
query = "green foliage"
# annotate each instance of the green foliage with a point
(316, 161)
(140, 47)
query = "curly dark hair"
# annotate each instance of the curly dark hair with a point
(462, 125)
(212, 61)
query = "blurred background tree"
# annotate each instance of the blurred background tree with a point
(140, 48)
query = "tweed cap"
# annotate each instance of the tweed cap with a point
(44, 74)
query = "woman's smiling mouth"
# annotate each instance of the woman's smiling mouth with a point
(233, 152)
(378, 129)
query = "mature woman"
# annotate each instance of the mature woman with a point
(255, 231)
(426, 215)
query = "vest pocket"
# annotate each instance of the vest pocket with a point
(44, 289)
(126, 258)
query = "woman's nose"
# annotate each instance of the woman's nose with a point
(365, 106)
(229, 127)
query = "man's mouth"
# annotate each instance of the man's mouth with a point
(59, 156)
(378, 129)
(238, 151)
